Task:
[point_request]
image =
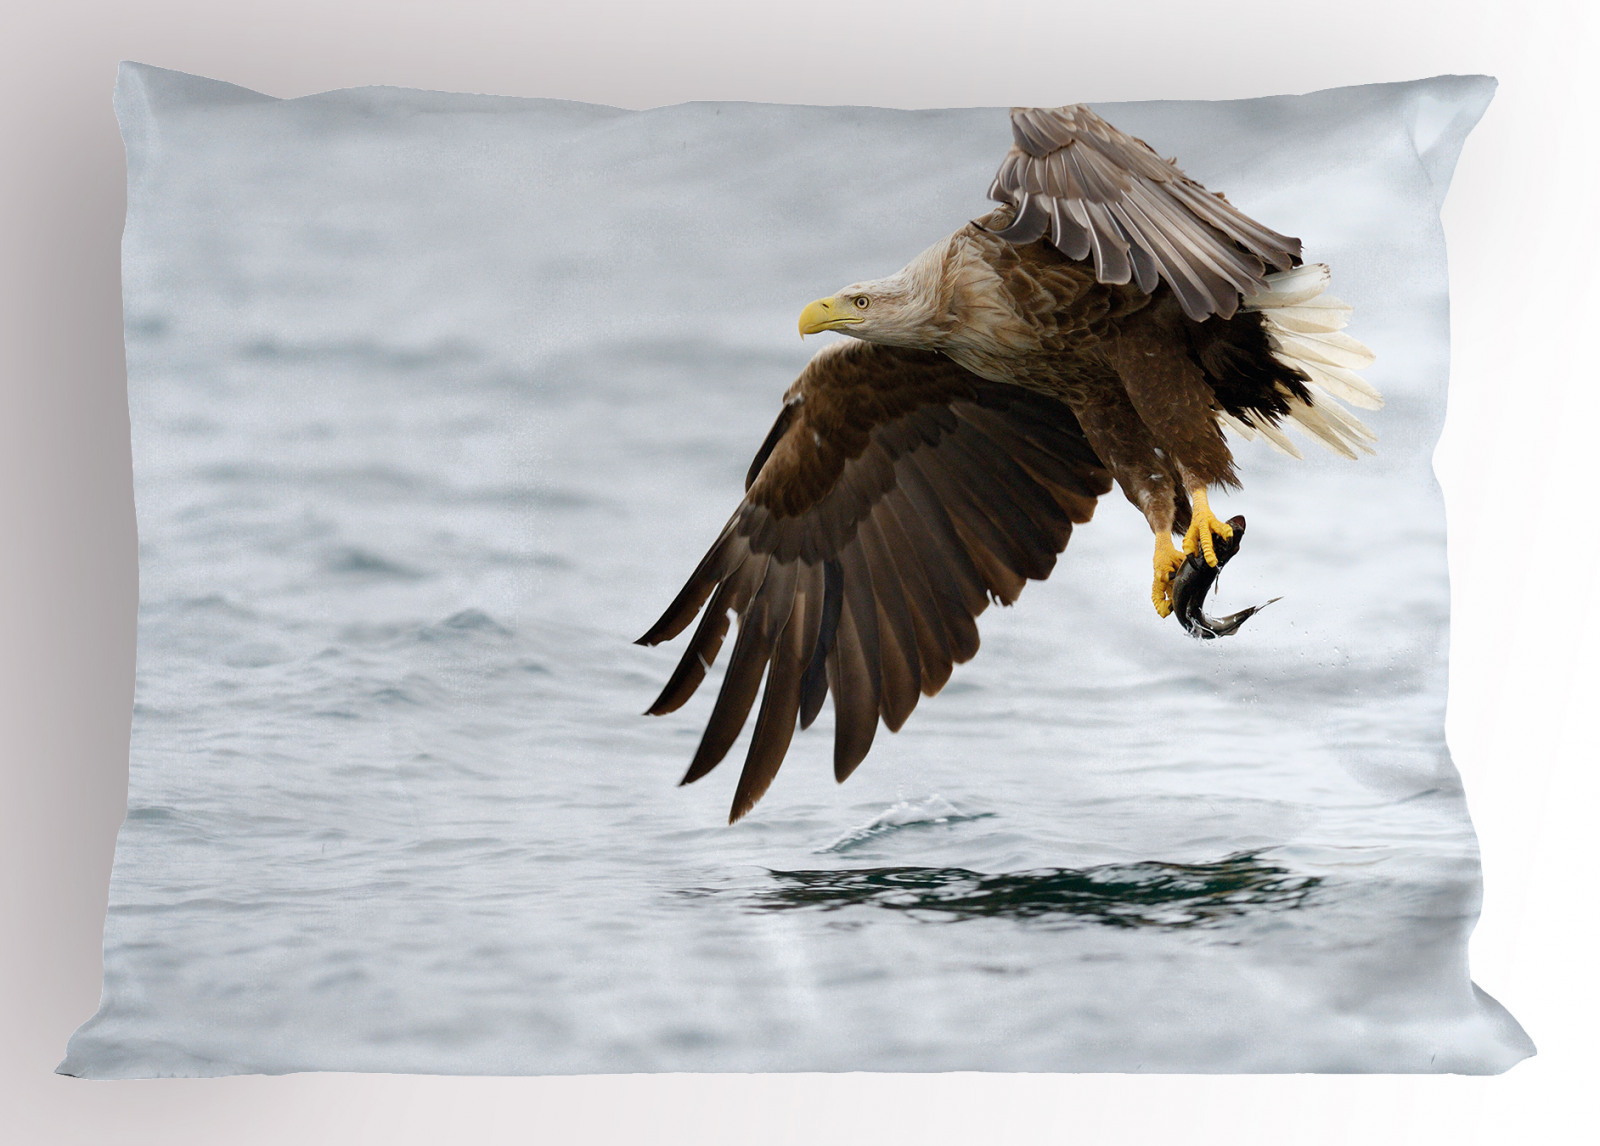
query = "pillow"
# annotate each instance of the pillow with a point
(436, 401)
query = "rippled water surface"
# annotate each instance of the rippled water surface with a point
(1118, 895)
(435, 402)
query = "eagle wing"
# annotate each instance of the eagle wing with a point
(1092, 188)
(895, 497)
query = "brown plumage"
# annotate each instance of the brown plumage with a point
(1094, 189)
(896, 496)
(1104, 323)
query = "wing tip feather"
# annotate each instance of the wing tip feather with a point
(1051, 471)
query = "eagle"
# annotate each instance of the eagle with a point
(1103, 325)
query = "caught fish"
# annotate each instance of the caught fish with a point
(1194, 580)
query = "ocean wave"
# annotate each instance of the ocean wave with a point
(369, 353)
(353, 561)
(466, 622)
(931, 811)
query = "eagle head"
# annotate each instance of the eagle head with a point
(877, 311)
(894, 311)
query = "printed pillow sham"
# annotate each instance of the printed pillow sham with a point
(437, 400)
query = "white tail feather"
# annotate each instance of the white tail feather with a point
(1279, 440)
(1330, 348)
(1309, 318)
(1334, 432)
(1303, 327)
(1350, 427)
(1345, 385)
(1243, 429)
(1291, 288)
(1273, 436)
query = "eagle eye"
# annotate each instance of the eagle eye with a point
(861, 301)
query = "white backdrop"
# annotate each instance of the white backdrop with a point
(1513, 473)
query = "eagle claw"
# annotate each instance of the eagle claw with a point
(1204, 526)
(1168, 560)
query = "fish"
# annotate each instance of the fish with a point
(1194, 580)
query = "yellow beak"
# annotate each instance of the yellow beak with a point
(827, 314)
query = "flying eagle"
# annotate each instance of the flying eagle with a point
(1105, 323)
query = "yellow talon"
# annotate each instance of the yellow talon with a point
(1168, 560)
(1202, 525)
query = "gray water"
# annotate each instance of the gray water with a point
(436, 401)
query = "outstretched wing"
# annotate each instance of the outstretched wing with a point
(1092, 188)
(896, 496)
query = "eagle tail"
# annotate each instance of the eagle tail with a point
(1305, 330)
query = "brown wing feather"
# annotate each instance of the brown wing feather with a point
(899, 662)
(855, 675)
(1092, 189)
(897, 495)
(780, 703)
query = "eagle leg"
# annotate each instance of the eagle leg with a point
(1168, 560)
(1203, 527)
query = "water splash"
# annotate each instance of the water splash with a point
(1150, 894)
(927, 812)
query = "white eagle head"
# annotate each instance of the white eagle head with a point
(898, 310)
